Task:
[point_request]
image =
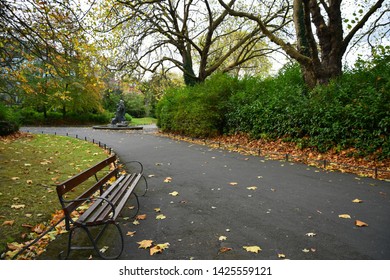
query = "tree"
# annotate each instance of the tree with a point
(48, 57)
(323, 32)
(195, 36)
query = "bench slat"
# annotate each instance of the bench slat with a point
(76, 180)
(99, 211)
(96, 204)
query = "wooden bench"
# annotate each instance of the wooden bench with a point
(102, 202)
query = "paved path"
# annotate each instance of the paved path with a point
(291, 202)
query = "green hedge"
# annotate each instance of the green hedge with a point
(352, 111)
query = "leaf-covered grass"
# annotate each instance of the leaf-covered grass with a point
(30, 167)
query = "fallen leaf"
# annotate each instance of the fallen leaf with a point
(356, 200)
(159, 248)
(157, 210)
(136, 223)
(224, 250)
(175, 193)
(29, 182)
(8, 223)
(222, 238)
(151, 176)
(141, 217)
(252, 249)
(306, 250)
(345, 216)
(14, 246)
(281, 256)
(168, 180)
(130, 233)
(233, 183)
(28, 215)
(145, 244)
(131, 207)
(160, 217)
(252, 188)
(311, 234)
(360, 224)
(15, 178)
(104, 249)
(18, 206)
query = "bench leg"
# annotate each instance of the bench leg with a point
(94, 241)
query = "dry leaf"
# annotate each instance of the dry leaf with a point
(222, 238)
(15, 178)
(18, 206)
(8, 223)
(345, 216)
(130, 233)
(356, 200)
(145, 244)
(360, 224)
(160, 217)
(311, 234)
(157, 210)
(159, 248)
(141, 217)
(233, 183)
(253, 249)
(281, 256)
(151, 176)
(306, 250)
(168, 180)
(29, 182)
(175, 193)
(136, 223)
(224, 250)
(104, 249)
(252, 188)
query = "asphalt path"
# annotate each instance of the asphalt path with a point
(226, 201)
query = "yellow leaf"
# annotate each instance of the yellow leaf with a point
(345, 216)
(159, 248)
(175, 193)
(233, 183)
(136, 223)
(281, 256)
(15, 178)
(168, 180)
(160, 217)
(130, 233)
(157, 210)
(252, 188)
(252, 249)
(222, 238)
(356, 200)
(360, 224)
(145, 244)
(18, 206)
(29, 182)
(104, 249)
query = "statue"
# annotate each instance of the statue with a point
(120, 114)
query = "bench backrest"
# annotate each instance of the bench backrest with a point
(78, 179)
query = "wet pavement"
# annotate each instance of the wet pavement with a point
(227, 201)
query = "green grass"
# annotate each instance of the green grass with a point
(143, 121)
(30, 168)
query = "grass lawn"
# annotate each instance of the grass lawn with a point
(30, 166)
(143, 121)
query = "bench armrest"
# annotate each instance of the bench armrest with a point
(135, 161)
